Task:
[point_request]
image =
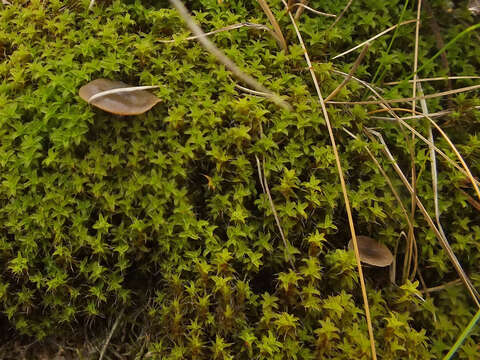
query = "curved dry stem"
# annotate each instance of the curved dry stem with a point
(342, 182)
(302, 5)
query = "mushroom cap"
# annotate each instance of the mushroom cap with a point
(125, 103)
(372, 252)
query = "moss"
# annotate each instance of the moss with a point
(163, 215)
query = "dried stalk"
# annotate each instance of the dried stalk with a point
(342, 182)
(266, 9)
(350, 74)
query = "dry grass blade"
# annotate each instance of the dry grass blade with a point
(110, 334)
(419, 116)
(341, 15)
(342, 181)
(228, 28)
(403, 100)
(250, 91)
(373, 38)
(443, 287)
(92, 2)
(229, 64)
(302, 5)
(411, 147)
(390, 185)
(466, 170)
(433, 160)
(266, 9)
(442, 78)
(385, 106)
(275, 215)
(350, 74)
(443, 241)
(471, 200)
(300, 9)
(260, 177)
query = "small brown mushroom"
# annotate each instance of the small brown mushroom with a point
(372, 252)
(121, 103)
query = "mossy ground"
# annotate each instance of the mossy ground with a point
(162, 216)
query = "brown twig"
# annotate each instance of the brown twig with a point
(109, 337)
(442, 287)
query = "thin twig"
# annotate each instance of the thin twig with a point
(341, 15)
(221, 57)
(342, 182)
(471, 200)
(443, 287)
(350, 74)
(373, 38)
(109, 337)
(302, 5)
